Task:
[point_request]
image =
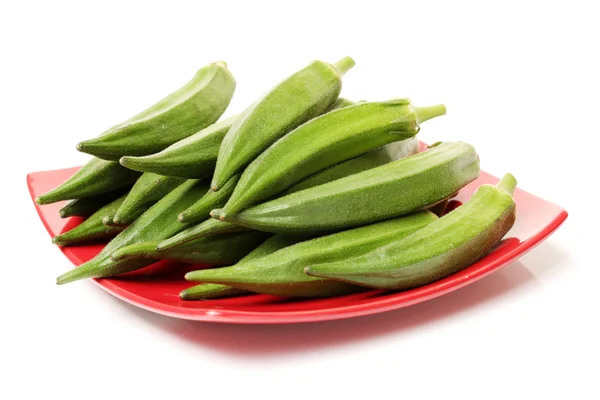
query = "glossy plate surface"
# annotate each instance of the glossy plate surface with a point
(156, 288)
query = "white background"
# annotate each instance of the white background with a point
(520, 81)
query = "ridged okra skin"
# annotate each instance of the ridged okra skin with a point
(196, 155)
(211, 200)
(223, 249)
(325, 141)
(196, 105)
(210, 227)
(192, 157)
(206, 291)
(92, 229)
(89, 205)
(159, 222)
(398, 188)
(281, 273)
(148, 190)
(444, 247)
(94, 178)
(299, 98)
(369, 160)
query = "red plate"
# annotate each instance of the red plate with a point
(156, 288)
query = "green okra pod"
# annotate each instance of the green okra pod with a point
(281, 273)
(206, 291)
(211, 200)
(92, 229)
(148, 189)
(374, 158)
(223, 249)
(210, 227)
(89, 205)
(196, 105)
(442, 248)
(400, 187)
(299, 98)
(325, 141)
(192, 157)
(157, 223)
(94, 178)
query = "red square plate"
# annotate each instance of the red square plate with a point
(156, 288)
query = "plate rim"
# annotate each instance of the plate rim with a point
(391, 302)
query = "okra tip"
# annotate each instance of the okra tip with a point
(74, 275)
(344, 65)
(218, 213)
(425, 113)
(41, 200)
(508, 183)
(328, 271)
(171, 242)
(129, 162)
(185, 295)
(192, 275)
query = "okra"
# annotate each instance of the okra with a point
(196, 105)
(299, 98)
(157, 223)
(224, 249)
(446, 246)
(89, 205)
(210, 227)
(374, 158)
(92, 229)
(148, 189)
(192, 157)
(95, 177)
(391, 190)
(281, 273)
(211, 200)
(325, 141)
(206, 291)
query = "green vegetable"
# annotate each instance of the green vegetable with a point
(92, 229)
(94, 178)
(211, 200)
(444, 247)
(281, 273)
(341, 103)
(159, 222)
(195, 106)
(374, 158)
(210, 227)
(148, 189)
(192, 157)
(216, 250)
(299, 98)
(383, 155)
(394, 189)
(206, 291)
(89, 205)
(325, 141)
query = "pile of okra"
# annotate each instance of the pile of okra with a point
(303, 193)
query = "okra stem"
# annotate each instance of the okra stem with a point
(507, 183)
(425, 113)
(344, 65)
